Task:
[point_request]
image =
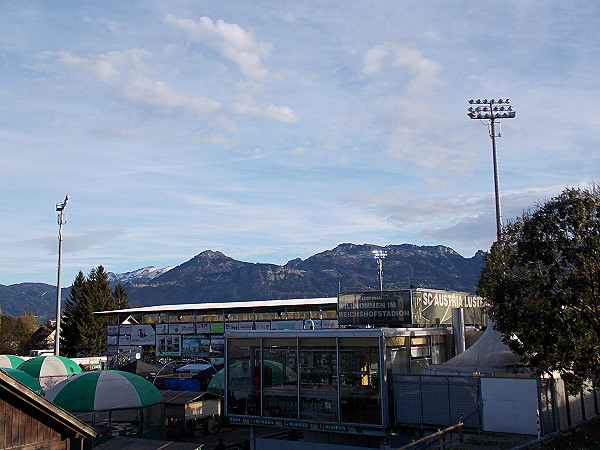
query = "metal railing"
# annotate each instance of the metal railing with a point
(438, 439)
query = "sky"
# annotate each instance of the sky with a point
(272, 130)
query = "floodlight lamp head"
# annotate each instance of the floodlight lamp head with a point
(379, 254)
(471, 101)
(63, 205)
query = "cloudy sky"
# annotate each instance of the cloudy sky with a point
(272, 130)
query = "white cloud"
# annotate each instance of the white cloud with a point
(74, 243)
(417, 134)
(422, 73)
(280, 113)
(127, 74)
(121, 72)
(232, 41)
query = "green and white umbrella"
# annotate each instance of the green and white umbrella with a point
(10, 361)
(50, 370)
(104, 390)
(24, 378)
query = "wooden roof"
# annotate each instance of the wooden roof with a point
(36, 406)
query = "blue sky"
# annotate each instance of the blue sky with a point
(274, 130)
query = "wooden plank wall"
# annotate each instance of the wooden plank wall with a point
(20, 430)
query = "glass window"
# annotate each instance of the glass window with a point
(396, 355)
(243, 382)
(318, 379)
(280, 378)
(420, 347)
(359, 380)
(439, 348)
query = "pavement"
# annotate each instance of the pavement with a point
(232, 436)
(491, 440)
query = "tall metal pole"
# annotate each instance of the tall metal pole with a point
(496, 182)
(379, 255)
(492, 110)
(62, 219)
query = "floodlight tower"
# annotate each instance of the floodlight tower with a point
(493, 110)
(379, 256)
(62, 219)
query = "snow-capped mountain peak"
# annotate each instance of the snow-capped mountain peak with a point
(144, 274)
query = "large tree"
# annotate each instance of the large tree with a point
(15, 333)
(71, 318)
(542, 283)
(83, 332)
(121, 297)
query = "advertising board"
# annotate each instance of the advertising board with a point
(383, 308)
(425, 307)
(431, 306)
(142, 335)
(168, 345)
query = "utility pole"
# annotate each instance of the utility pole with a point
(62, 219)
(493, 110)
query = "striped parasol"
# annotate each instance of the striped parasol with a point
(24, 378)
(10, 361)
(50, 370)
(104, 390)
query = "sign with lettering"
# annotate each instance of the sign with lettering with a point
(426, 307)
(301, 424)
(383, 308)
(431, 306)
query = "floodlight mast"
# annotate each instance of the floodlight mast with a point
(493, 110)
(379, 256)
(62, 219)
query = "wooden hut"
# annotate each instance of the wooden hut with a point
(28, 420)
(190, 413)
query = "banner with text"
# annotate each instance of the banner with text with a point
(387, 308)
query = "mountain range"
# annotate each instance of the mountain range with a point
(212, 276)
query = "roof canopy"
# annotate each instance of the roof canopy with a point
(230, 307)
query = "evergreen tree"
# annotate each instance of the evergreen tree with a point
(69, 331)
(99, 298)
(120, 296)
(86, 335)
